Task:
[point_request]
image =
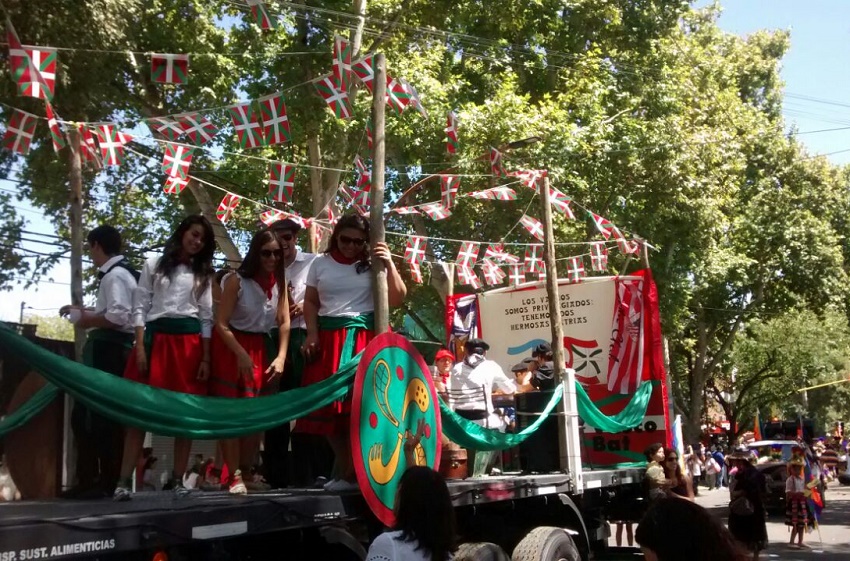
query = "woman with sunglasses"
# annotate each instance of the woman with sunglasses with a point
(680, 483)
(339, 312)
(247, 359)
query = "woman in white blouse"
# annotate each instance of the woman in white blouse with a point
(172, 316)
(247, 359)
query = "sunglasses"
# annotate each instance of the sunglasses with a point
(345, 240)
(266, 253)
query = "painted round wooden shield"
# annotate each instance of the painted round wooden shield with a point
(393, 391)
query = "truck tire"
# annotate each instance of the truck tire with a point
(546, 543)
(480, 551)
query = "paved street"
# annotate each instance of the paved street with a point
(832, 543)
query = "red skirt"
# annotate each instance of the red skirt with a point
(332, 419)
(172, 365)
(225, 380)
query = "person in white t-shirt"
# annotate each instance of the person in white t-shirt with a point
(472, 382)
(248, 358)
(338, 310)
(172, 316)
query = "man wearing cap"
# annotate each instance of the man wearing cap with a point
(443, 362)
(543, 375)
(304, 464)
(472, 382)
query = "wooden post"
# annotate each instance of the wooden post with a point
(552, 280)
(76, 221)
(376, 217)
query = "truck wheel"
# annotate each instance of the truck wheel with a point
(546, 543)
(480, 551)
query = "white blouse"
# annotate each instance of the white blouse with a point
(115, 295)
(296, 276)
(390, 547)
(254, 311)
(342, 291)
(157, 296)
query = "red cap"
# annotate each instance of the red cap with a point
(444, 353)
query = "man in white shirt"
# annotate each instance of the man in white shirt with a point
(310, 456)
(108, 344)
(472, 382)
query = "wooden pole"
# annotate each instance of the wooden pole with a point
(76, 220)
(376, 215)
(552, 281)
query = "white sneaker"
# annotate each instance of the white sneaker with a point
(122, 494)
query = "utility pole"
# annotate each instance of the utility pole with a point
(23, 305)
(76, 220)
(376, 213)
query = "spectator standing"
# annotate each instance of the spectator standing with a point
(681, 485)
(797, 516)
(746, 509)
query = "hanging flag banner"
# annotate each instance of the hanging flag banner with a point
(342, 64)
(275, 121)
(406, 210)
(414, 251)
(576, 272)
(605, 227)
(529, 178)
(56, 135)
(336, 99)
(435, 211)
(449, 185)
(169, 129)
(364, 174)
(170, 68)
(197, 128)
(88, 147)
(26, 73)
(174, 185)
(451, 133)
(496, 163)
(416, 272)
(269, 217)
(493, 274)
(19, 132)
(541, 272)
(261, 15)
(281, 182)
(561, 203)
(468, 254)
(533, 260)
(517, 274)
(415, 99)
(247, 125)
(364, 69)
(370, 135)
(226, 207)
(497, 252)
(176, 160)
(111, 145)
(494, 194)
(466, 275)
(398, 96)
(626, 246)
(534, 226)
(598, 257)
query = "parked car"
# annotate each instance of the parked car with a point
(773, 458)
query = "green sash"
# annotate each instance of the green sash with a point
(170, 326)
(352, 324)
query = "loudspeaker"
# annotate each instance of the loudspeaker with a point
(539, 453)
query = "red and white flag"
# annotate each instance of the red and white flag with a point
(449, 185)
(605, 227)
(451, 132)
(625, 363)
(468, 254)
(56, 134)
(247, 125)
(414, 252)
(336, 99)
(533, 260)
(406, 210)
(88, 146)
(541, 272)
(415, 272)
(342, 63)
(496, 163)
(29, 66)
(168, 129)
(467, 276)
(19, 132)
(275, 121)
(517, 274)
(177, 160)
(281, 182)
(529, 177)
(436, 211)
(174, 185)
(226, 207)
(576, 271)
(398, 96)
(197, 128)
(111, 144)
(269, 217)
(626, 246)
(170, 68)
(364, 174)
(497, 252)
(561, 203)
(598, 257)
(534, 226)
(493, 274)
(365, 71)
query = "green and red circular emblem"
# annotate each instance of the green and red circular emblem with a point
(393, 392)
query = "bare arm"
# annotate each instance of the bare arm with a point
(229, 296)
(311, 318)
(396, 289)
(283, 324)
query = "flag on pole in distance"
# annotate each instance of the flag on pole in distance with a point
(678, 442)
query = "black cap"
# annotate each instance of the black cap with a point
(473, 345)
(286, 224)
(542, 349)
(528, 359)
(521, 367)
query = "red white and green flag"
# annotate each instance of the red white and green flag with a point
(369, 134)
(529, 177)
(414, 252)
(269, 217)
(88, 146)
(534, 226)
(561, 203)
(364, 174)
(281, 182)
(247, 125)
(362, 199)
(19, 132)
(174, 185)
(261, 14)
(415, 272)
(626, 246)
(435, 211)
(495, 194)
(364, 69)
(598, 257)
(55, 132)
(541, 272)
(111, 143)
(449, 185)
(516, 276)
(404, 210)
(451, 132)
(275, 121)
(468, 254)
(226, 207)
(197, 128)
(336, 99)
(177, 160)
(605, 227)
(415, 99)
(467, 276)
(398, 96)
(493, 274)
(342, 63)
(496, 163)
(533, 260)
(169, 68)
(168, 129)
(576, 272)
(28, 65)
(497, 252)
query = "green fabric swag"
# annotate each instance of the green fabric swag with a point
(172, 413)
(104, 336)
(170, 326)
(469, 435)
(352, 324)
(28, 410)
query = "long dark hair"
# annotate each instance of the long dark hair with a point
(200, 263)
(675, 529)
(252, 263)
(358, 223)
(424, 512)
(680, 475)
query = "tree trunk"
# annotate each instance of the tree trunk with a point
(222, 237)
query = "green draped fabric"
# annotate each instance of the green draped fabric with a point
(173, 413)
(28, 410)
(352, 324)
(627, 419)
(469, 435)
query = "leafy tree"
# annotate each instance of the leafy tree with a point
(51, 327)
